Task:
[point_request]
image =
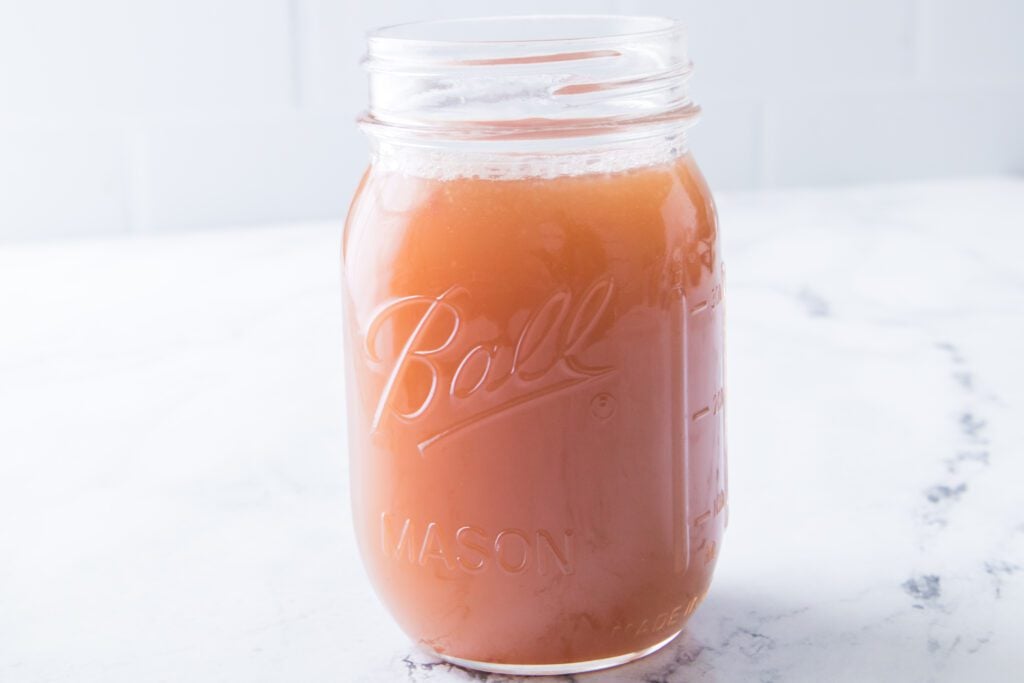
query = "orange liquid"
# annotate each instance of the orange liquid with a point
(535, 397)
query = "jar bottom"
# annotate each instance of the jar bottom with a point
(556, 669)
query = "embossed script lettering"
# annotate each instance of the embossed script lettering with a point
(545, 357)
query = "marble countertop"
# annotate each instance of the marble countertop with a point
(173, 487)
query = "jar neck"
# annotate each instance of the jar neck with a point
(445, 160)
(513, 89)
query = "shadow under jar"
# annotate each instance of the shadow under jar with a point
(533, 295)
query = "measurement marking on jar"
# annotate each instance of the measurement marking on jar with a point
(717, 505)
(716, 406)
(710, 553)
(720, 501)
(681, 446)
(710, 303)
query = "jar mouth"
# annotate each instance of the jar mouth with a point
(528, 77)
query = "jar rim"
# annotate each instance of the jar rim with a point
(427, 33)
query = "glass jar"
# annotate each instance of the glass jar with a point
(533, 290)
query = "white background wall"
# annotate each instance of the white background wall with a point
(153, 115)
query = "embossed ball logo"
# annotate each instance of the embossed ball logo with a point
(543, 361)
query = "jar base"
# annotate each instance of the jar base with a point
(557, 669)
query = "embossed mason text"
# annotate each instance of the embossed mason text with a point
(473, 550)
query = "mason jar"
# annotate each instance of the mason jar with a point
(533, 296)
